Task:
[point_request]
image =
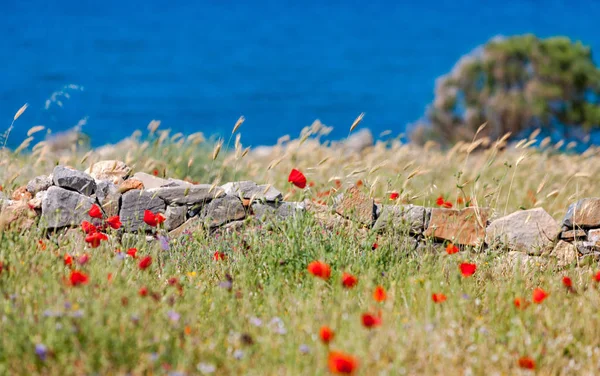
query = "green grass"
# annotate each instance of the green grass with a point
(267, 322)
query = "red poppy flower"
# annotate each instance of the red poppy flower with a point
(78, 278)
(319, 269)
(143, 291)
(567, 282)
(539, 295)
(394, 195)
(326, 334)
(95, 238)
(451, 249)
(114, 222)
(95, 211)
(526, 362)
(219, 256)
(152, 219)
(68, 260)
(132, 252)
(379, 294)
(374, 246)
(438, 298)
(41, 245)
(341, 363)
(440, 201)
(447, 205)
(348, 280)
(88, 228)
(145, 262)
(467, 269)
(369, 320)
(83, 259)
(596, 277)
(297, 178)
(109, 277)
(155, 172)
(460, 200)
(172, 281)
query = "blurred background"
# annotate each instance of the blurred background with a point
(110, 67)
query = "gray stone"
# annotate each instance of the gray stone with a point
(187, 195)
(68, 178)
(356, 206)
(409, 217)
(584, 213)
(586, 247)
(593, 236)
(133, 205)
(565, 253)
(249, 189)
(175, 216)
(108, 196)
(528, 231)
(222, 210)
(276, 211)
(39, 183)
(177, 183)
(36, 202)
(150, 181)
(61, 208)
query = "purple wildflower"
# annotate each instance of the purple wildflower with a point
(173, 316)
(41, 351)
(164, 242)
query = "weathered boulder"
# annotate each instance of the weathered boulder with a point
(462, 227)
(133, 205)
(222, 210)
(108, 196)
(356, 206)
(112, 170)
(187, 195)
(265, 211)
(39, 183)
(529, 231)
(150, 181)
(16, 215)
(62, 207)
(250, 190)
(69, 178)
(396, 217)
(175, 216)
(584, 213)
(36, 202)
(565, 253)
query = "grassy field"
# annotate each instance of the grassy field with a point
(258, 310)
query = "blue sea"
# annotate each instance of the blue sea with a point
(199, 65)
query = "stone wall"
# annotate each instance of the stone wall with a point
(64, 199)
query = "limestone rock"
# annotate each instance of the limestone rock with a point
(529, 231)
(187, 195)
(62, 207)
(21, 194)
(150, 181)
(410, 217)
(133, 205)
(222, 210)
(356, 206)
(462, 227)
(585, 213)
(130, 184)
(593, 236)
(249, 189)
(565, 253)
(571, 235)
(17, 215)
(276, 211)
(108, 196)
(175, 216)
(68, 178)
(39, 183)
(36, 202)
(112, 170)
